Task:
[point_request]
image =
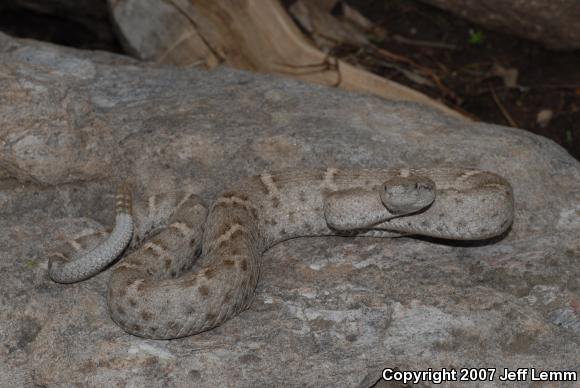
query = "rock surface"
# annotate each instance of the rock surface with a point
(555, 24)
(328, 311)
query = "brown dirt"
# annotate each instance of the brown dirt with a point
(456, 66)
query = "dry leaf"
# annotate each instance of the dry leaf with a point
(543, 117)
(356, 18)
(509, 75)
(325, 29)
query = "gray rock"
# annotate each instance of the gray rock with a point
(555, 24)
(328, 311)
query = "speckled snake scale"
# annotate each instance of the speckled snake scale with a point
(191, 269)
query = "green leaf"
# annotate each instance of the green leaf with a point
(476, 37)
(568, 136)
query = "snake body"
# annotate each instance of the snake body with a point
(164, 290)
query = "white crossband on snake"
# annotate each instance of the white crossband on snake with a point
(190, 270)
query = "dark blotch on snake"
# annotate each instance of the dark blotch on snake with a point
(261, 184)
(203, 290)
(160, 243)
(229, 194)
(234, 250)
(209, 273)
(122, 292)
(146, 316)
(210, 317)
(238, 233)
(243, 196)
(223, 228)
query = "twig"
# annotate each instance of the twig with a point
(424, 43)
(329, 63)
(505, 113)
(531, 88)
(412, 76)
(562, 86)
(424, 70)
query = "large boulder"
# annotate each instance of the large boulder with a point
(555, 24)
(328, 312)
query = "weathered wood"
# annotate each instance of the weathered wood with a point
(248, 34)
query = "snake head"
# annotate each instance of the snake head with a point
(406, 195)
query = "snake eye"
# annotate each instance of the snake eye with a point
(405, 195)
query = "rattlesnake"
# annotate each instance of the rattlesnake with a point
(161, 290)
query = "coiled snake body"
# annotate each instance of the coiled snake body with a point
(161, 290)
